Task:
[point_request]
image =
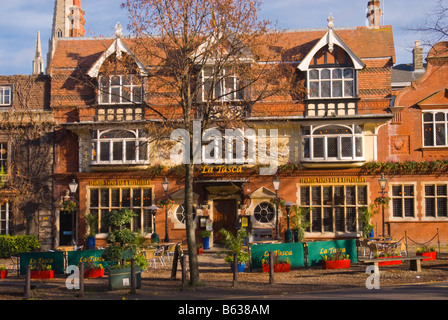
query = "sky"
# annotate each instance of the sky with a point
(22, 19)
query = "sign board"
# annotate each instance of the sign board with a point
(55, 259)
(85, 256)
(293, 251)
(321, 248)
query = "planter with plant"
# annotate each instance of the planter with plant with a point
(205, 236)
(298, 222)
(199, 249)
(121, 241)
(365, 217)
(234, 245)
(280, 264)
(3, 272)
(42, 271)
(94, 270)
(92, 222)
(426, 251)
(336, 260)
(389, 254)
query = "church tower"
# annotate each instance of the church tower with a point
(68, 21)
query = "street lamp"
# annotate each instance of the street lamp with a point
(288, 232)
(382, 181)
(154, 237)
(73, 186)
(276, 184)
(165, 186)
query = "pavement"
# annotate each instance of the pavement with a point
(218, 286)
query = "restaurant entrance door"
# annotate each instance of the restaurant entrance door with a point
(224, 216)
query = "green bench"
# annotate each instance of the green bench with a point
(415, 262)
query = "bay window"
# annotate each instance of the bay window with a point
(119, 147)
(332, 142)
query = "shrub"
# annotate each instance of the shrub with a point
(13, 245)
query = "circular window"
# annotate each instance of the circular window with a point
(264, 212)
(180, 213)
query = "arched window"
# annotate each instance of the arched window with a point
(119, 147)
(331, 143)
(264, 212)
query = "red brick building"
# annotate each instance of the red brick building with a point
(325, 137)
(334, 142)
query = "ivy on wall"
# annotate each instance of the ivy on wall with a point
(406, 167)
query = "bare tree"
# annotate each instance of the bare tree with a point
(209, 61)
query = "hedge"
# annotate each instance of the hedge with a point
(13, 245)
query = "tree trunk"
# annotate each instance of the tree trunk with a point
(191, 236)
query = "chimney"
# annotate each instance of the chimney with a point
(374, 13)
(418, 56)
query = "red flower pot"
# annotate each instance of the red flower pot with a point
(279, 267)
(431, 255)
(45, 274)
(336, 264)
(388, 263)
(200, 250)
(3, 274)
(94, 273)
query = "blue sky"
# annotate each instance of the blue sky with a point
(22, 19)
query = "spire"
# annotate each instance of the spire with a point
(38, 62)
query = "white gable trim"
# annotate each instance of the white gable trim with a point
(119, 47)
(330, 39)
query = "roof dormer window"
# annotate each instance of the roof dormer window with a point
(331, 83)
(120, 89)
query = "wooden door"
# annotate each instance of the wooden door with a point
(224, 216)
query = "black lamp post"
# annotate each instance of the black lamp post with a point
(382, 181)
(73, 186)
(276, 184)
(288, 232)
(165, 186)
(154, 237)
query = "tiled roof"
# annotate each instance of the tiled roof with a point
(293, 45)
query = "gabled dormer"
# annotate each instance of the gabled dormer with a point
(331, 71)
(120, 76)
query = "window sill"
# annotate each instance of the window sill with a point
(332, 163)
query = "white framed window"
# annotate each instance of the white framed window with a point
(333, 143)
(436, 200)
(4, 162)
(104, 200)
(5, 96)
(331, 83)
(5, 216)
(120, 89)
(435, 124)
(119, 147)
(403, 201)
(223, 86)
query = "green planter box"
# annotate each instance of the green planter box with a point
(120, 278)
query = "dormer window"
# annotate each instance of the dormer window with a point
(5, 96)
(331, 83)
(120, 89)
(223, 86)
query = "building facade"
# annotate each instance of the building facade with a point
(349, 127)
